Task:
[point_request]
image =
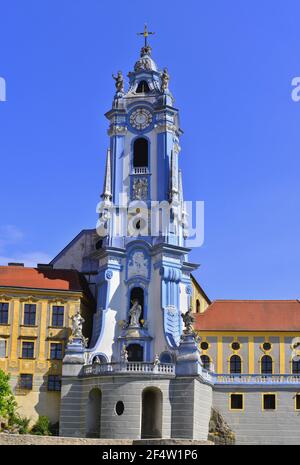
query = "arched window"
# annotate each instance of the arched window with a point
(197, 306)
(266, 365)
(99, 359)
(137, 293)
(140, 153)
(165, 357)
(205, 362)
(296, 366)
(235, 364)
(135, 353)
(142, 87)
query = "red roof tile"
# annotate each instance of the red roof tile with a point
(250, 315)
(35, 278)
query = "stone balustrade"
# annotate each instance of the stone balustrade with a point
(129, 367)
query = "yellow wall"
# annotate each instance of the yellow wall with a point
(38, 401)
(197, 294)
(250, 352)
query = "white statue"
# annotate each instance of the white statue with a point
(124, 354)
(77, 322)
(135, 313)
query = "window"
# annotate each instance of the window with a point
(56, 351)
(3, 314)
(142, 87)
(2, 348)
(165, 357)
(236, 401)
(119, 407)
(269, 401)
(57, 315)
(25, 381)
(29, 314)
(27, 349)
(205, 362)
(235, 345)
(140, 153)
(295, 366)
(197, 306)
(266, 346)
(54, 383)
(204, 345)
(235, 364)
(266, 365)
(297, 402)
(135, 353)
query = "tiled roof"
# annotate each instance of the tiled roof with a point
(250, 315)
(35, 278)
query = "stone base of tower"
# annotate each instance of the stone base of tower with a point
(135, 407)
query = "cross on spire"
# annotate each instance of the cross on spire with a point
(145, 33)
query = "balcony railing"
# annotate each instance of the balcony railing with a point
(129, 367)
(140, 170)
(255, 379)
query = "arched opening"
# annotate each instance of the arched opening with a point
(295, 366)
(142, 87)
(93, 420)
(266, 365)
(205, 362)
(165, 357)
(151, 413)
(99, 359)
(137, 293)
(140, 153)
(197, 306)
(235, 364)
(135, 353)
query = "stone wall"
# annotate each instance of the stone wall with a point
(253, 425)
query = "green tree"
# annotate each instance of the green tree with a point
(8, 403)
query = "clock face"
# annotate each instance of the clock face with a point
(140, 118)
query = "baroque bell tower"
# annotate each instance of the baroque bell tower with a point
(142, 222)
(140, 353)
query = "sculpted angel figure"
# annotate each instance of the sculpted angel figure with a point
(77, 322)
(188, 320)
(119, 81)
(165, 80)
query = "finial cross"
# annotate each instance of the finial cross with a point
(145, 33)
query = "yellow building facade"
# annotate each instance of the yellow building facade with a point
(36, 306)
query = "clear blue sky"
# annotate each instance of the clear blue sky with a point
(231, 65)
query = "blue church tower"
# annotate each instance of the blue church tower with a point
(140, 376)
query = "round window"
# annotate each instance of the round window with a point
(204, 345)
(235, 345)
(267, 346)
(119, 407)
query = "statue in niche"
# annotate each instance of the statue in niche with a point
(188, 320)
(140, 189)
(135, 314)
(165, 80)
(119, 82)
